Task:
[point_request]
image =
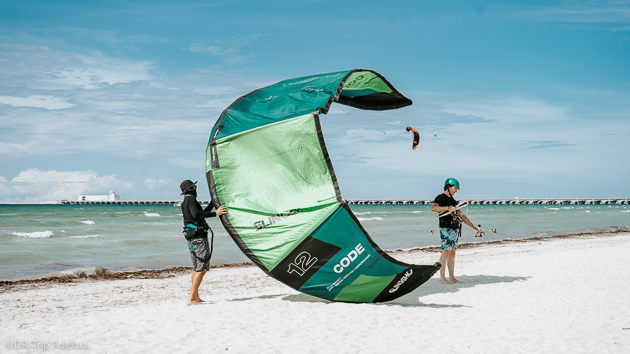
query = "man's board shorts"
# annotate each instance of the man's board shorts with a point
(199, 254)
(449, 238)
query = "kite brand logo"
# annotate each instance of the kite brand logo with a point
(347, 260)
(274, 219)
(401, 281)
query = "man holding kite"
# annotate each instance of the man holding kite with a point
(451, 218)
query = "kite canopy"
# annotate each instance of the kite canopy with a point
(416, 137)
(268, 163)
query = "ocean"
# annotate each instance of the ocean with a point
(40, 240)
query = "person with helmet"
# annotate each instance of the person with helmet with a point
(196, 234)
(450, 228)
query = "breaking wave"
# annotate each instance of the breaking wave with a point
(376, 218)
(81, 272)
(36, 234)
(85, 236)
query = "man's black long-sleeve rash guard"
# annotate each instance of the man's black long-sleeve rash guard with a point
(192, 211)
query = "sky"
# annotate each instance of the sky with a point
(524, 99)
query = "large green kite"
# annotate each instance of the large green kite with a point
(268, 163)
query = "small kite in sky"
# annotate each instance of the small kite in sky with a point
(416, 136)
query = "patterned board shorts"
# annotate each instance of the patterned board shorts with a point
(449, 238)
(199, 254)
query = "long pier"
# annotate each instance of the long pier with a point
(501, 201)
(478, 201)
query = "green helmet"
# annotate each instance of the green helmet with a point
(452, 182)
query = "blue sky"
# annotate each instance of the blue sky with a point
(513, 98)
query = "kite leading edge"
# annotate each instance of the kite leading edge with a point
(267, 161)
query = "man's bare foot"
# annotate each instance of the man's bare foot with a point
(444, 281)
(453, 280)
(193, 302)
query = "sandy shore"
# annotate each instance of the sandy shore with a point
(567, 294)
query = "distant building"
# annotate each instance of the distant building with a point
(100, 198)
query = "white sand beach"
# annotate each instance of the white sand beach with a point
(557, 295)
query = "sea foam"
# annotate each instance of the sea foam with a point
(376, 218)
(152, 215)
(85, 236)
(88, 222)
(81, 272)
(36, 234)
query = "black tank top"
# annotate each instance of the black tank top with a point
(450, 220)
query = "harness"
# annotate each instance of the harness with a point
(193, 230)
(455, 223)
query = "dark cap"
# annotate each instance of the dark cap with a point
(186, 185)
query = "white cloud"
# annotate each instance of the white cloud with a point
(592, 12)
(157, 119)
(36, 101)
(39, 185)
(215, 104)
(511, 109)
(486, 136)
(158, 184)
(118, 107)
(227, 54)
(10, 148)
(41, 67)
(228, 51)
(94, 71)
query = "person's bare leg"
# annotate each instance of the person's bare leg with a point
(196, 278)
(443, 261)
(197, 298)
(451, 266)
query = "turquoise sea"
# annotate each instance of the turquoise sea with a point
(37, 240)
